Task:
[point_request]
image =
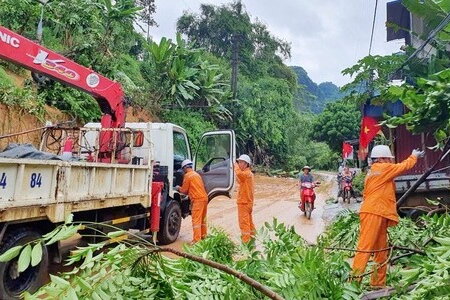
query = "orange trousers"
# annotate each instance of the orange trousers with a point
(199, 209)
(246, 222)
(372, 236)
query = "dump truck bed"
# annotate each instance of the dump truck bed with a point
(40, 189)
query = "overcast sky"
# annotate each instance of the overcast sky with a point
(326, 35)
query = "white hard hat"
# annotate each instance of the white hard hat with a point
(306, 167)
(381, 151)
(185, 163)
(246, 158)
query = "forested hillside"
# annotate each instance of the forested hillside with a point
(313, 97)
(188, 80)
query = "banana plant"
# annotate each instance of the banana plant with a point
(185, 79)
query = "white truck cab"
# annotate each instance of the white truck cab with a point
(213, 155)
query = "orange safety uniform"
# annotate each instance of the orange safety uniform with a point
(193, 187)
(377, 213)
(245, 202)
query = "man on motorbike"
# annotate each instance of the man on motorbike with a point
(345, 177)
(306, 177)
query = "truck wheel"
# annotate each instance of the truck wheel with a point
(13, 284)
(170, 224)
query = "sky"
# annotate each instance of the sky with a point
(326, 36)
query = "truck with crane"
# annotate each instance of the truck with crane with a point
(111, 172)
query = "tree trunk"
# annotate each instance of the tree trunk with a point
(241, 276)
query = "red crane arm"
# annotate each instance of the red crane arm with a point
(108, 93)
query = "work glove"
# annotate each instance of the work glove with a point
(418, 153)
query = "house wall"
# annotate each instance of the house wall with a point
(405, 142)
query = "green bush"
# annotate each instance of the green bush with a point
(358, 182)
(69, 100)
(5, 80)
(24, 98)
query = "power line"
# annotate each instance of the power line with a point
(430, 37)
(373, 25)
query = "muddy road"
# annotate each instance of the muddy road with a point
(274, 198)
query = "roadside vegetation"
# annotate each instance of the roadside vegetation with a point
(281, 265)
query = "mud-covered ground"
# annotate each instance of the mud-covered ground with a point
(274, 198)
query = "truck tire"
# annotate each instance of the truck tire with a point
(170, 223)
(11, 285)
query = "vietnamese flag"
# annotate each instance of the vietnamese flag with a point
(369, 129)
(347, 151)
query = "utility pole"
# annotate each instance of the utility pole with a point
(234, 63)
(235, 39)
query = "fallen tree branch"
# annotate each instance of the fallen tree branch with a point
(395, 258)
(394, 247)
(411, 251)
(383, 293)
(418, 251)
(375, 268)
(241, 276)
(437, 210)
(355, 250)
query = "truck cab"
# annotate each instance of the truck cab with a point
(165, 146)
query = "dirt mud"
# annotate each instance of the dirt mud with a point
(274, 198)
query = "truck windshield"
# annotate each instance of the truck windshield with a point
(180, 147)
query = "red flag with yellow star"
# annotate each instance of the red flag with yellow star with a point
(369, 129)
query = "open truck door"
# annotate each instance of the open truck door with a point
(214, 159)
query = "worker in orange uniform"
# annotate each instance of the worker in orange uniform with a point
(193, 187)
(378, 211)
(245, 197)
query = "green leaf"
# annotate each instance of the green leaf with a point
(432, 202)
(396, 91)
(71, 294)
(114, 234)
(65, 233)
(59, 280)
(24, 258)
(84, 284)
(36, 254)
(10, 253)
(95, 296)
(51, 234)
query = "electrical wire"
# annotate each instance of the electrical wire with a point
(373, 25)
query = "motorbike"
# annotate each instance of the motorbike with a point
(307, 198)
(347, 189)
